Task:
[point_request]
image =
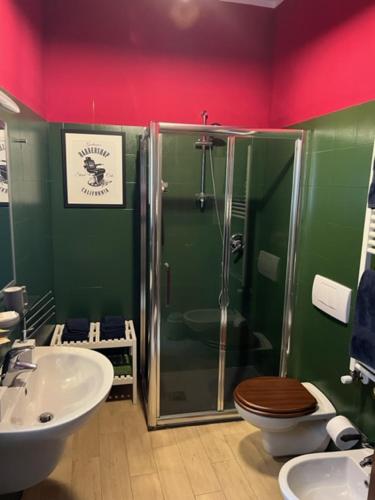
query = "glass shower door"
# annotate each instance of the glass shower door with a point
(191, 254)
(260, 219)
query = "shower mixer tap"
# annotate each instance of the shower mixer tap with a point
(237, 245)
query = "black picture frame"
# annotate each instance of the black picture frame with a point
(67, 203)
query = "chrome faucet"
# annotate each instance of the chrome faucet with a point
(13, 366)
(367, 460)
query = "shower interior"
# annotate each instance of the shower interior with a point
(217, 264)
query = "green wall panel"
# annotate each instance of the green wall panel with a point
(96, 250)
(338, 166)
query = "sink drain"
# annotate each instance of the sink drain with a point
(45, 417)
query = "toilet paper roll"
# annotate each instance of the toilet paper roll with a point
(340, 426)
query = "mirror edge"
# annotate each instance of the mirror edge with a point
(11, 221)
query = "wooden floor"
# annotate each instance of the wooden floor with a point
(114, 457)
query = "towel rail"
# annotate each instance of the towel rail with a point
(38, 315)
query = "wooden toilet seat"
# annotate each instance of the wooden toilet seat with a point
(276, 397)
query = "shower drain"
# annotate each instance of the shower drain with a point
(45, 417)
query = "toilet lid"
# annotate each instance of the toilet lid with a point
(275, 397)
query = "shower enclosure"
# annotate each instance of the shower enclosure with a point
(219, 217)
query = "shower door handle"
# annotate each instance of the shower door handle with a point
(169, 283)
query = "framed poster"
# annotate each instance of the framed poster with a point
(94, 169)
(4, 186)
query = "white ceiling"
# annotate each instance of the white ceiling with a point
(261, 3)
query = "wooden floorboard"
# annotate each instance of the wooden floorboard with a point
(214, 443)
(147, 487)
(173, 476)
(115, 477)
(199, 469)
(114, 457)
(218, 495)
(233, 481)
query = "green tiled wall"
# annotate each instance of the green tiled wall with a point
(334, 201)
(28, 162)
(95, 250)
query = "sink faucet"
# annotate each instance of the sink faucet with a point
(13, 366)
(367, 460)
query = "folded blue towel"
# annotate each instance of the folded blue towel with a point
(363, 337)
(68, 336)
(76, 329)
(371, 194)
(112, 321)
(112, 327)
(77, 325)
(114, 334)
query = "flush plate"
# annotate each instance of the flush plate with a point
(332, 298)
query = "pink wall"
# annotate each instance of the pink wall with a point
(129, 62)
(134, 61)
(324, 53)
(21, 51)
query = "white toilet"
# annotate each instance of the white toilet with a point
(199, 320)
(291, 415)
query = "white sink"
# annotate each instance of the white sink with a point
(326, 476)
(69, 383)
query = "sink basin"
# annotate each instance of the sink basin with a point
(326, 476)
(66, 388)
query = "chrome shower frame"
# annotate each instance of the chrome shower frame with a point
(151, 211)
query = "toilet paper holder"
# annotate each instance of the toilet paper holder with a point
(351, 437)
(361, 438)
